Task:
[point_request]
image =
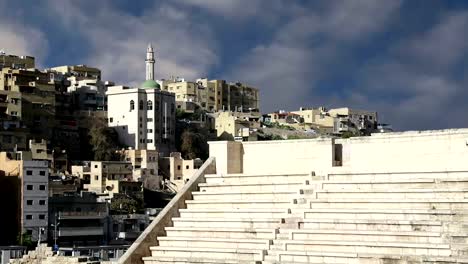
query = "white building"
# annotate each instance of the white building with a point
(35, 199)
(143, 117)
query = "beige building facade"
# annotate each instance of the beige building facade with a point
(177, 170)
(16, 62)
(212, 95)
(235, 126)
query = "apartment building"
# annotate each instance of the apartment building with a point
(212, 95)
(78, 219)
(16, 62)
(35, 198)
(236, 126)
(177, 170)
(352, 120)
(79, 71)
(32, 205)
(28, 96)
(105, 176)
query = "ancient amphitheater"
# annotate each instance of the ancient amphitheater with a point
(388, 198)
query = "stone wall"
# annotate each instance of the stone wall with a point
(44, 255)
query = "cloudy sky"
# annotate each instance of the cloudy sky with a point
(405, 59)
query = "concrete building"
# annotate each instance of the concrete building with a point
(78, 220)
(212, 95)
(127, 228)
(352, 120)
(144, 117)
(177, 170)
(35, 198)
(28, 96)
(10, 193)
(106, 176)
(79, 71)
(88, 94)
(145, 166)
(236, 126)
(16, 62)
(33, 193)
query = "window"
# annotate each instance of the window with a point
(29, 187)
(42, 187)
(41, 202)
(28, 172)
(150, 120)
(141, 105)
(29, 202)
(172, 108)
(149, 105)
(42, 216)
(132, 105)
(111, 119)
(29, 231)
(178, 167)
(149, 141)
(150, 131)
(42, 173)
(95, 166)
(96, 177)
(29, 217)
(157, 106)
(187, 167)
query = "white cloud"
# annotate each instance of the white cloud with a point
(118, 41)
(20, 39)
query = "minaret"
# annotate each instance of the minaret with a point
(149, 63)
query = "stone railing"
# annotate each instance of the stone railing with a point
(140, 248)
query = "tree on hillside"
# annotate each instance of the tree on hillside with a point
(194, 144)
(104, 141)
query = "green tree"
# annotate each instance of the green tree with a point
(104, 141)
(25, 239)
(194, 144)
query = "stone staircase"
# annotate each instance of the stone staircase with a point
(416, 217)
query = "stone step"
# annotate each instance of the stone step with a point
(246, 195)
(208, 242)
(233, 222)
(376, 214)
(257, 186)
(189, 260)
(373, 247)
(397, 176)
(362, 203)
(231, 213)
(395, 184)
(282, 256)
(203, 253)
(257, 178)
(214, 232)
(371, 235)
(240, 204)
(378, 225)
(391, 194)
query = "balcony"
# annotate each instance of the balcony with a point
(129, 235)
(80, 231)
(82, 215)
(343, 119)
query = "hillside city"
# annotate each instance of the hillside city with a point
(87, 164)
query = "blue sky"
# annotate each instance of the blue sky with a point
(404, 59)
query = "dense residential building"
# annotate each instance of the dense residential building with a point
(145, 166)
(88, 94)
(333, 121)
(77, 220)
(212, 95)
(125, 228)
(33, 191)
(177, 170)
(10, 190)
(236, 126)
(79, 71)
(16, 62)
(28, 96)
(143, 117)
(105, 177)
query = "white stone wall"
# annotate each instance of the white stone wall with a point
(35, 201)
(419, 151)
(145, 128)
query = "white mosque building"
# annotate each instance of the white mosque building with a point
(144, 117)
